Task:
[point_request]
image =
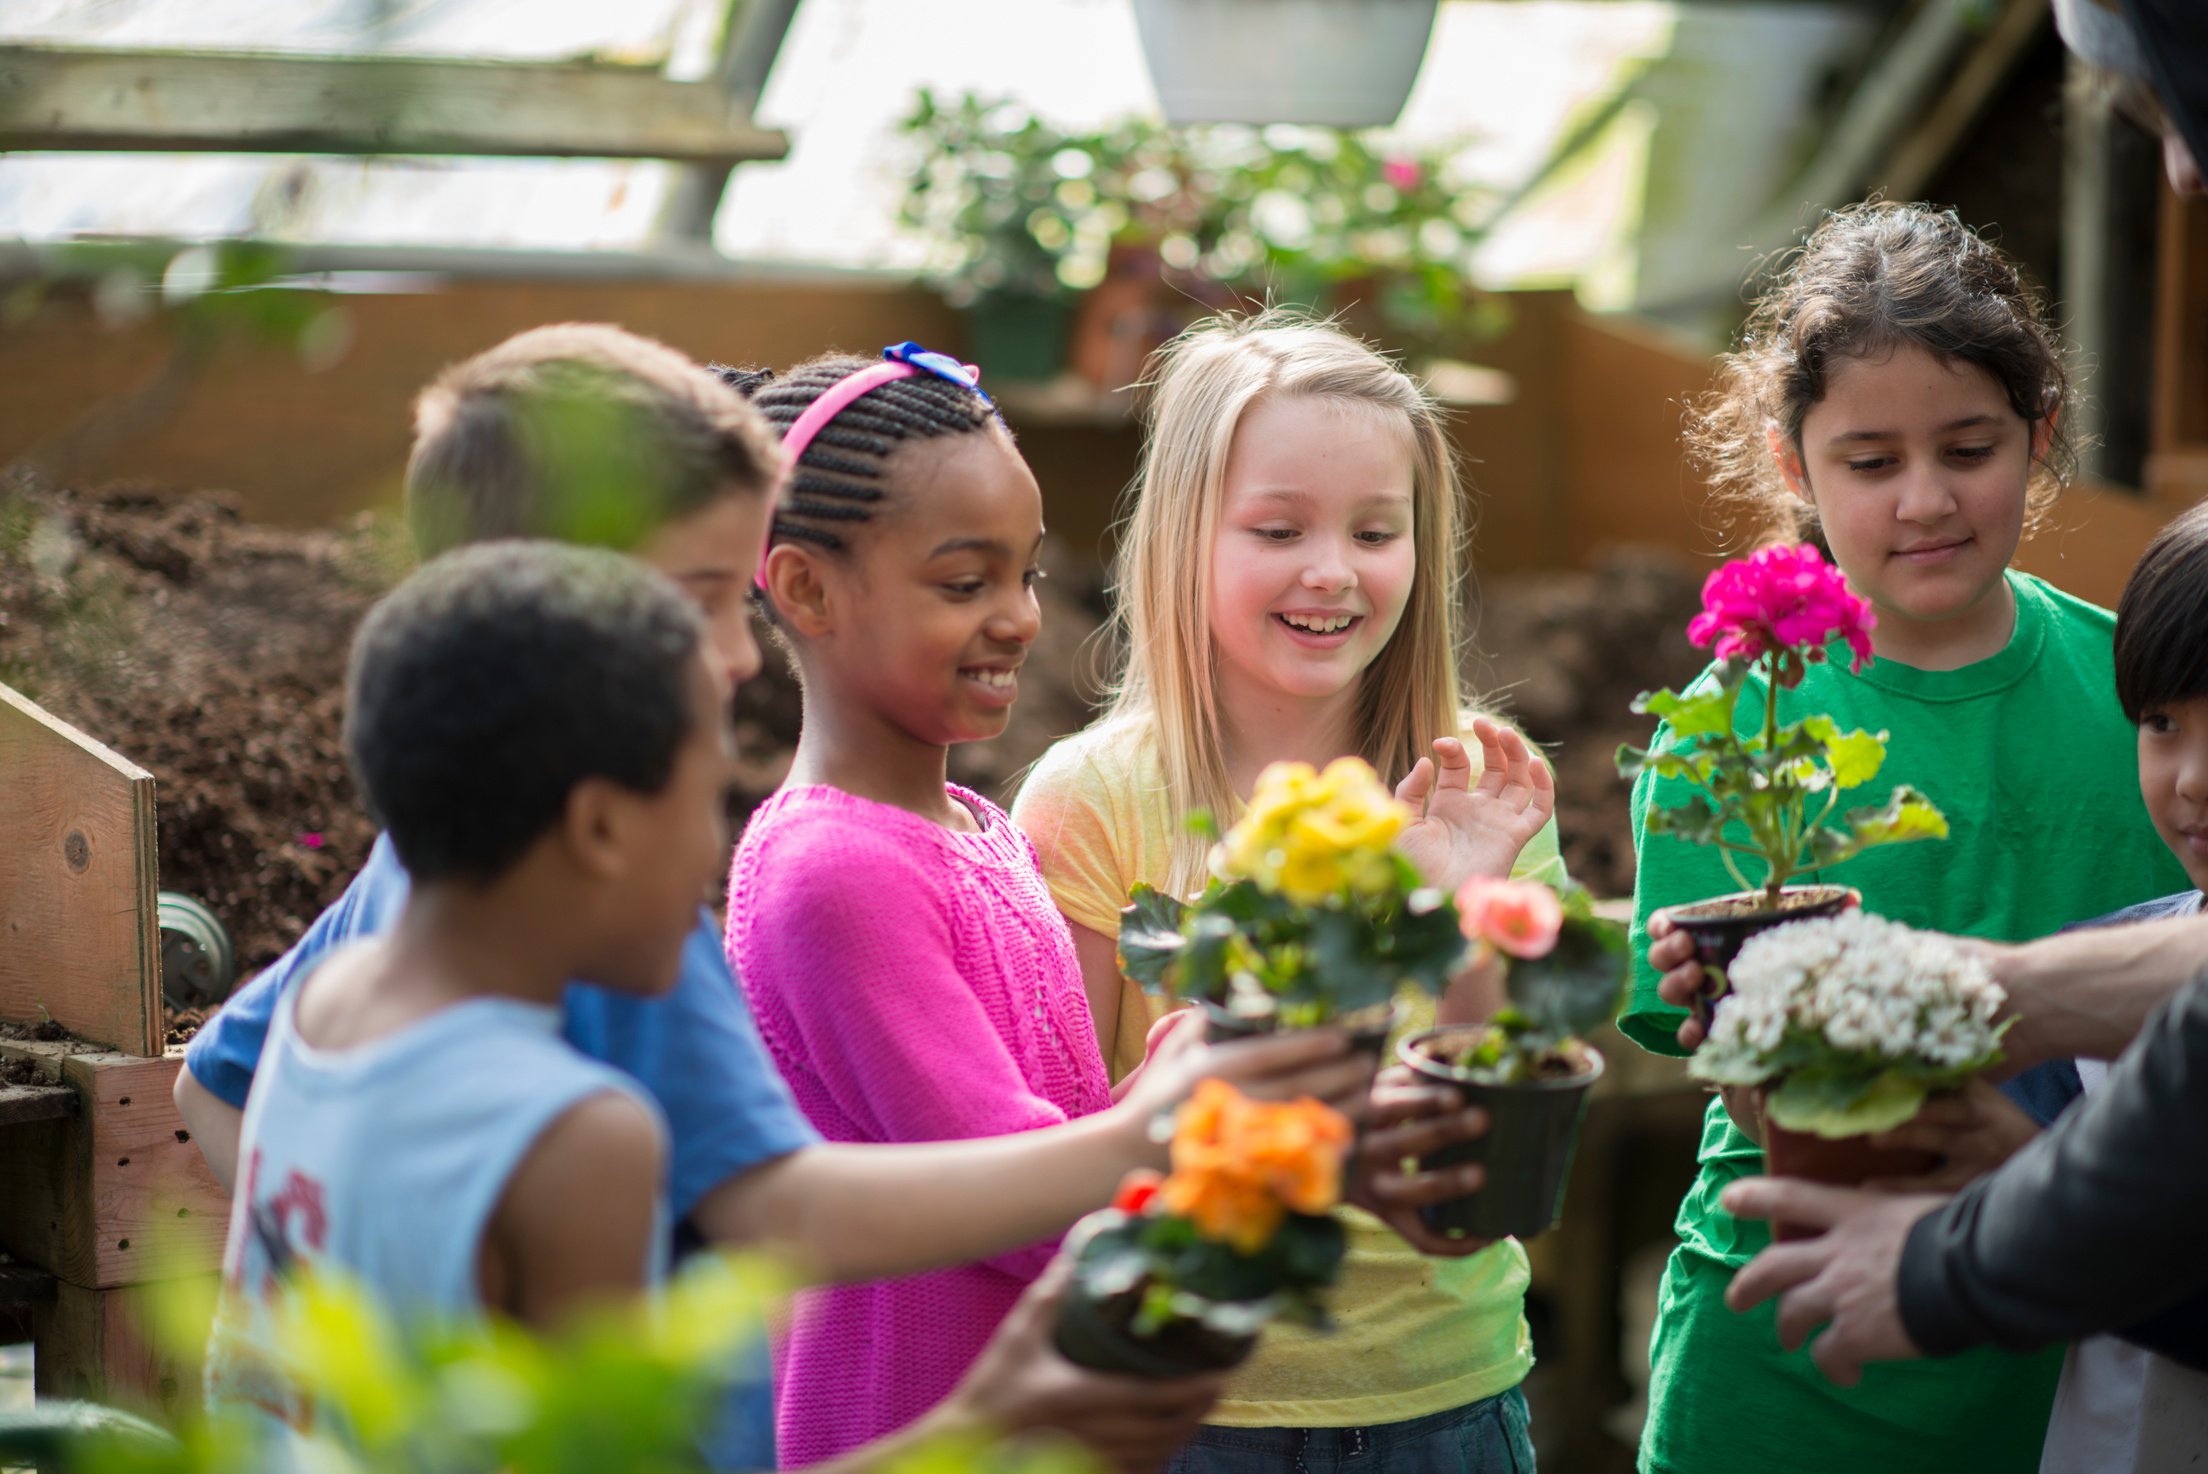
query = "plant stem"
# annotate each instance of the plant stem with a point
(1774, 881)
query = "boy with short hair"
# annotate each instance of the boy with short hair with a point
(417, 1124)
(2118, 1406)
(511, 443)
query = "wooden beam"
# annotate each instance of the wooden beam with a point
(116, 1194)
(80, 929)
(24, 1103)
(54, 97)
(1919, 155)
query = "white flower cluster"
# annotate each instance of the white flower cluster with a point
(1862, 986)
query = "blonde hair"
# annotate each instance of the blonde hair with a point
(1199, 387)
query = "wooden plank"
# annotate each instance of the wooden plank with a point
(24, 1103)
(54, 97)
(93, 1345)
(116, 1194)
(80, 931)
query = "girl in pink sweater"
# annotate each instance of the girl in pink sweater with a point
(908, 967)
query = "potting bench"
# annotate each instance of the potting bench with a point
(101, 1191)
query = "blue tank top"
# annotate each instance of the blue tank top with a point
(382, 1164)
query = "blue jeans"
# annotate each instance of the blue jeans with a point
(1481, 1438)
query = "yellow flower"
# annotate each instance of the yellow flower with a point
(1315, 836)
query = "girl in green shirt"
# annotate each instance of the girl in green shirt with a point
(1898, 397)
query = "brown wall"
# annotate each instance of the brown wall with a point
(1585, 453)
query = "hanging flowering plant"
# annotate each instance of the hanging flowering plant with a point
(1856, 1019)
(1310, 914)
(1239, 1233)
(1770, 795)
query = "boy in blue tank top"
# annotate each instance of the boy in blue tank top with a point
(417, 1125)
(586, 433)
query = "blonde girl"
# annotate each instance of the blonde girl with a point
(1289, 582)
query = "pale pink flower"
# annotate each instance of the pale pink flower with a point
(1784, 598)
(1521, 917)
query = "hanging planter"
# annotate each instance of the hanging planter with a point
(1336, 63)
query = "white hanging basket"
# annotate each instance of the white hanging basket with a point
(1340, 63)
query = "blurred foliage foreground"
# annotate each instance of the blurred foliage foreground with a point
(622, 1391)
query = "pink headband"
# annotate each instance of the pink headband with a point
(901, 361)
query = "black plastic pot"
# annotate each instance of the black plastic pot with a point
(1097, 1333)
(1096, 1336)
(1527, 1151)
(1368, 1027)
(1722, 925)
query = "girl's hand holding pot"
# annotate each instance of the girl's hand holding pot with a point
(1408, 1119)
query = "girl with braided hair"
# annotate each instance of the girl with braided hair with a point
(906, 965)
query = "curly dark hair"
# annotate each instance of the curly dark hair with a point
(1869, 279)
(488, 685)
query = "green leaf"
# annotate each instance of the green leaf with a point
(1150, 940)
(1855, 757)
(1697, 714)
(1574, 989)
(1844, 1105)
(1906, 815)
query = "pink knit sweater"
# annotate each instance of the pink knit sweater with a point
(914, 984)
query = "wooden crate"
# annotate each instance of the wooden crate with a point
(101, 1186)
(80, 932)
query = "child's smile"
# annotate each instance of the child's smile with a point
(1313, 561)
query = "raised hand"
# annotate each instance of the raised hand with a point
(1468, 828)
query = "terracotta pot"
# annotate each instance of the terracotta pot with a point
(1722, 925)
(1533, 1127)
(1368, 1027)
(1842, 1161)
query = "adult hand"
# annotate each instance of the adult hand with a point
(1409, 1118)
(1022, 1385)
(1972, 1131)
(1846, 1277)
(1316, 1062)
(1465, 828)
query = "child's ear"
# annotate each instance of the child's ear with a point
(1788, 460)
(595, 827)
(797, 584)
(2043, 434)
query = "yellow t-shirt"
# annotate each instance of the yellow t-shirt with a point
(1413, 1336)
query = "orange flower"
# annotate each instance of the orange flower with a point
(1240, 1165)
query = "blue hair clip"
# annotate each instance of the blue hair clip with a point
(942, 365)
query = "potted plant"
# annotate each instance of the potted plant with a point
(1311, 917)
(1343, 63)
(1181, 1272)
(1844, 1025)
(1001, 198)
(1530, 1066)
(1767, 796)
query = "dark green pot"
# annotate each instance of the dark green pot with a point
(1532, 1130)
(1019, 339)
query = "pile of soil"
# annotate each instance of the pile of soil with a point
(212, 652)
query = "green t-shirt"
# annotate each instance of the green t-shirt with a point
(2032, 761)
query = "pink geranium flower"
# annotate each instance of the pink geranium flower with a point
(1784, 598)
(1404, 174)
(1521, 917)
